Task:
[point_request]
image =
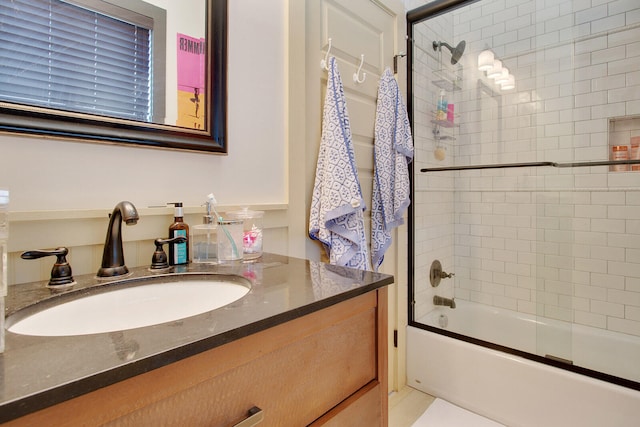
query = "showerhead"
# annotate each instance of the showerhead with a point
(456, 53)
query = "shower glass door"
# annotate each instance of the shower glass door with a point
(526, 121)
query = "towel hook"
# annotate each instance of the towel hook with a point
(324, 63)
(395, 61)
(356, 75)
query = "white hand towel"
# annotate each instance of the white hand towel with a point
(393, 151)
(337, 206)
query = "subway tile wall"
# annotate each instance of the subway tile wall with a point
(562, 243)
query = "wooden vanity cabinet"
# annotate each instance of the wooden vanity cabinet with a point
(326, 368)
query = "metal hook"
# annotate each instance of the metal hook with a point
(324, 63)
(395, 61)
(356, 75)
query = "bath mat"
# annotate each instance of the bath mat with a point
(444, 414)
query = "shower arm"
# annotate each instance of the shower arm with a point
(437, 45)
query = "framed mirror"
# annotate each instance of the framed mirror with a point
(142, 72)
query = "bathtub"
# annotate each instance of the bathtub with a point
(517, 391)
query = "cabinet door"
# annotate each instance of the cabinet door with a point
(293, 385)
(363, 409)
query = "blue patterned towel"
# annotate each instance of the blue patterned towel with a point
(393, 151)
(337, 206)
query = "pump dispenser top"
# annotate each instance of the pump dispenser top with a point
(204, 237)
(208, 218)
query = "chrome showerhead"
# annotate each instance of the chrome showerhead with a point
(456, 53)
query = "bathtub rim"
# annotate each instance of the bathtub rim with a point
(511, 390)
(624, 382)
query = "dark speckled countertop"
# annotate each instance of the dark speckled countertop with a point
(38, 372)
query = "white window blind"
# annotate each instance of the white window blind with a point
(58, 55)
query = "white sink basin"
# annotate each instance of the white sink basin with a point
(131, 307)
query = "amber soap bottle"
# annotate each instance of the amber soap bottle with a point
(178, 252)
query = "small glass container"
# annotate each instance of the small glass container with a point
(620, 152)
(204, 241)
(252, 231)
(229, 240)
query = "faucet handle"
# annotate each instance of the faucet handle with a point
(436, 273)
(159, 260)
(61, 271)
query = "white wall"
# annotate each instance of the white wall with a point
(46, 174)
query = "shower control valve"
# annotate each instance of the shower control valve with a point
(436, 274)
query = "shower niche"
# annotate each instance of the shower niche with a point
(624, 143)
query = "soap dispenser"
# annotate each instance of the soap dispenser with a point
(204, 238)
(178, 252)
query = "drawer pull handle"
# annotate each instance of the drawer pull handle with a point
(255, 417)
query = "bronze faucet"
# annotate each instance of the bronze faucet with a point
(113, 256)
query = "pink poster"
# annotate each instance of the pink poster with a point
(191, 86)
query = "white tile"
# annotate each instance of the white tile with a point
(624, 94)
(623, 240)
(623, 325)
(626, 269)
(590, 99)
(593, 71)
(623, 297)
(633, 17)
(623, 37)
(591, 44)
(608, 23)
(608, 225)
(609, 197)
(590, 265)
(607, 308)
(590, 292)
(632, 313)
(619, 6)
(607, 55)
(632, 107)
(591, 14)
(590, 319)
(623, 212)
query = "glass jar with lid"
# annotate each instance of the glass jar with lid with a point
(252, 236)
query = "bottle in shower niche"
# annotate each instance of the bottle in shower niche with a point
(619, 152)
(635, 152)
(178, 252)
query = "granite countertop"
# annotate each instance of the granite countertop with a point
(38, 372)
